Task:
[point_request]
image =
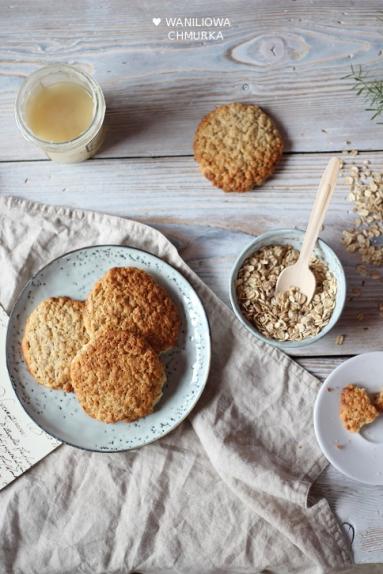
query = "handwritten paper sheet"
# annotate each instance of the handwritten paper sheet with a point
(22, 442)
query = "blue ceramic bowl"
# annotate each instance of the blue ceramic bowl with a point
(292, 237)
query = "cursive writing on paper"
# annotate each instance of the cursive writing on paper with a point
(22, 442)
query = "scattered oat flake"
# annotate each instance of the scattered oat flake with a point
(360, 316)
(366, 193)
(340, 340)
(362, 270)
(365, 237)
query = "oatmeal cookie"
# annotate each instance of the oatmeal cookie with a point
(118, 376)
(128, 298)
(237, 146)
(53, 335)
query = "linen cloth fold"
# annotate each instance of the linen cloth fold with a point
(226, 492)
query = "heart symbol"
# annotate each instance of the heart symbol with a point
(156, 21)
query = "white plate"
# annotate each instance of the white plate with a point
(187, 366)
(357, 455)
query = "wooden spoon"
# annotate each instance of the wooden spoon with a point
(299, 275)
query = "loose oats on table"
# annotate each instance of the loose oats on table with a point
(340, 339)
(286, 316)
(364, 238)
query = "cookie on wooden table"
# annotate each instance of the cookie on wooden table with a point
(356, 408)
(237, 146)
(54, 333)
(118, 376)
(128, 298)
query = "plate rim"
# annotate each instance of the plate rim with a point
(316, 419)
(8, 338)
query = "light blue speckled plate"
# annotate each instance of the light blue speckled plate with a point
(187, 366)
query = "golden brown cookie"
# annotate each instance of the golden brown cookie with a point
(356, 408)
(237, 146)
(128, 298)
(54, 333)
(117, 376)
(378, 401)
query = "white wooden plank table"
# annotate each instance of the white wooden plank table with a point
(288, 56)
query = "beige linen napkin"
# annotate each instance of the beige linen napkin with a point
(226, 492)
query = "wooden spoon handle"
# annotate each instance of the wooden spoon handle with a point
(321, 203)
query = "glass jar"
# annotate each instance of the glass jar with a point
(88, 142)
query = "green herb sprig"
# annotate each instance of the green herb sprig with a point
(370, 90)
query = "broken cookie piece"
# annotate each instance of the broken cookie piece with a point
(356, 408)
(378, 401)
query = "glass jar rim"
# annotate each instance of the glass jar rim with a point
(83, 138)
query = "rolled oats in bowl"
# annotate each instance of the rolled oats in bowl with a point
(286, 321)
(286, 316)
